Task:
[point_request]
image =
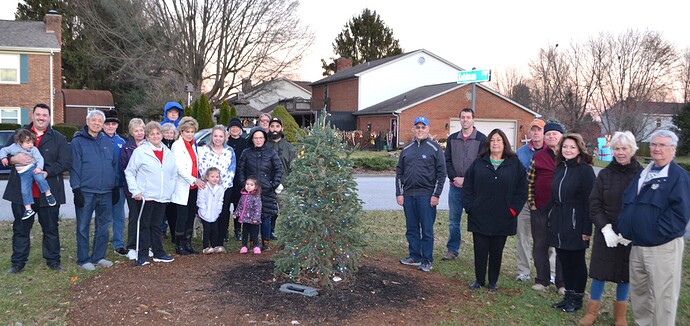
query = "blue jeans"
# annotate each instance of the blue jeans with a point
(454, 218)
(27, 177)
(419, 219)
(102, 204)
(119, 221)
(266, 227)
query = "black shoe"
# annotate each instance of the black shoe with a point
(493, 287)
(56, 267)
(121, 251)
(575, 302)
(15, 269)
(238, 235)
(566, 299)
(188, 247)
(141, 262)
(475, 285)
(180, 250)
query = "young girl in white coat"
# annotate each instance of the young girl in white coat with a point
(210, 203)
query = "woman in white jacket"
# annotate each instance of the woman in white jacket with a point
(210, 202)
(150, 175)
(187, 184)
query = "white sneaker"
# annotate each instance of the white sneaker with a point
(561, 291)
(104, 263)
(523, 277)
(538, 287)
(150, 252)
(88, 267)
(132, 254)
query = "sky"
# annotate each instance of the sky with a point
(493, 35)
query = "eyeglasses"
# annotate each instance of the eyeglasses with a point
(420, 127)
(659, 146)
(264, 120)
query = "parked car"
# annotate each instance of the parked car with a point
(203, 136)
(5, 136)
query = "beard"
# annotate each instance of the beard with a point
(276, 135)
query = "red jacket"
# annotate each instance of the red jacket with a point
(540, 177)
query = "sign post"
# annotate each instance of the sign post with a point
(474, 76)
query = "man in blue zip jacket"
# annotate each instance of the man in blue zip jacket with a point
(655, 212)
(419, 178)
(94, 183)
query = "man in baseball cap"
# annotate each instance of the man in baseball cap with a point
(286, 152)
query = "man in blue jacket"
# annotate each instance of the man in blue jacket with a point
(94, 183)
(655, 212)
(419, 178)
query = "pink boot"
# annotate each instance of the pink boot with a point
(243, 250)
(257, 251)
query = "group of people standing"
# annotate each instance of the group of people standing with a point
(165, 178)
(548, 192)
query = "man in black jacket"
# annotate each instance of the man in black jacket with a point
(419, 178)
(58, 159)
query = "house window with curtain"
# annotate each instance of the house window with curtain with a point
(9, 116)
(9, 68)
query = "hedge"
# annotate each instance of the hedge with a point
(9, 126)
(67, 129)
(378, 163)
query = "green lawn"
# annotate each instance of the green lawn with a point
(40, 296)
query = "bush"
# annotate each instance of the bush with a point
(68, 130)
(685, 166)
(9, 126)
(376, 163)
(291, 129)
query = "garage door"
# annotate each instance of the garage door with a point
(486, 125)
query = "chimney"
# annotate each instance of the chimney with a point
(246, 85)
(53, 22)
(342, 63)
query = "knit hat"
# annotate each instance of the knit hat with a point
(111, 116)
(235, 122)
(553, 126)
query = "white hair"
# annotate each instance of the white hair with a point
(94, 113)
(624, 138)
(666, 134)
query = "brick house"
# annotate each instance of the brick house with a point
(78, 102)
(442, 103)
(30, 68)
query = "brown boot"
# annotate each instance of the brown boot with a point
(619, 313)
(592, 311)
(265, 246)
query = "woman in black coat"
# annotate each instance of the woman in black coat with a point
(568, 217)
(265, 165)
(609, 259)
(494, 191)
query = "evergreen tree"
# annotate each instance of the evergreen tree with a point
(291, 129)
(682, 121)
(224, 115)
(320, 232)
(203, 114)
(190, 111)
(233, 112)
(364, 38)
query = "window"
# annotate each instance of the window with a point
(9, 68)
(9, 116)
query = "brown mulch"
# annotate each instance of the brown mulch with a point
(234, 289)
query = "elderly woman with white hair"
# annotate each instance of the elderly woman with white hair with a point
(136, 136)
(609, 259)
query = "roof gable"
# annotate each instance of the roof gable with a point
(28, 35)
(88, 98)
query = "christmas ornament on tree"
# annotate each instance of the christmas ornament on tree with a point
(320, 225)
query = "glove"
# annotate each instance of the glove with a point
(279, 188)
(610, 236)
(116, 195)
(622, 240)
(78, 198)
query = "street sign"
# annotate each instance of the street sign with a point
(474, 76)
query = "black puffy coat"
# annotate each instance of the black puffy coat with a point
(265, 165)
(488, 194)
(605, 202)
(568, 208)
(57, 158)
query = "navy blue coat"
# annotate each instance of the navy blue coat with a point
(93, 163)
(660, 211)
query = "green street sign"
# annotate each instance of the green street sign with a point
(474, 76)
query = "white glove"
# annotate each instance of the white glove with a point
(622, 240)
(279, 188)
(610, 236)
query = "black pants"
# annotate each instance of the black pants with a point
(150, 230)
(224, 217)
(171, 217)
(185, 218)
(574, 269)
(540, 250)
(250, 231)
(134, 208)
(212, 234)
(21, 234)
(487, 248)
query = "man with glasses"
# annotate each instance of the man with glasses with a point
(419, 178)
(264, 121)
(461, 150)
(655, 212)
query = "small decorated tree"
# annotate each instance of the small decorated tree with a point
(320, 226)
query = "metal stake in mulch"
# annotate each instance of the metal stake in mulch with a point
(299, 289)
